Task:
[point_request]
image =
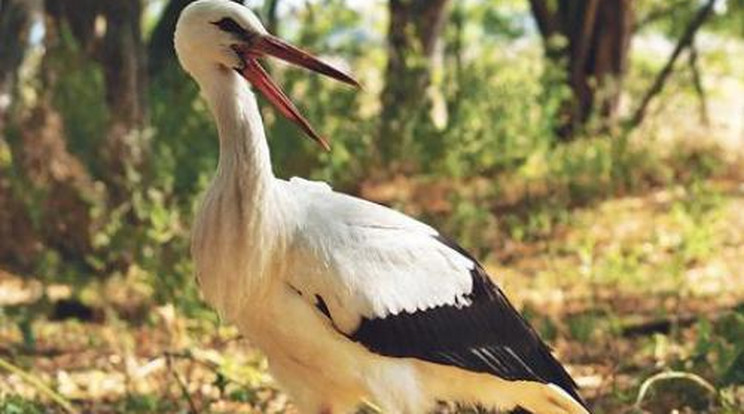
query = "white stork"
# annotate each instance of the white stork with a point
(350, 301)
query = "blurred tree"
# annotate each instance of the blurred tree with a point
(271, 9)
(591, 38)
(160, 51)
(56, 188)
(15, 22)
(51, 189)
(18, 244)
(123, 59)
(414, 30)
(110, 33)
(686, 40)
(93, 55)
(652, 12)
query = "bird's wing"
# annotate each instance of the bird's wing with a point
(400, 289)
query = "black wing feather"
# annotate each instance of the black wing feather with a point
(487, 335)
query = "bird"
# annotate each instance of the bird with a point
(351, 302)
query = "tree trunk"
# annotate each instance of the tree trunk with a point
(120, 51)
(123, 59)
(271, 9)
(415, 28)
(46, 180)
(595, 54)
(15, 21)
(161, 51)
(18, 243)
(68, 193)
(79, 16)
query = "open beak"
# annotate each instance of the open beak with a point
(253, 72)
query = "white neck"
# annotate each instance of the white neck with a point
(241, 223)
(244, 152)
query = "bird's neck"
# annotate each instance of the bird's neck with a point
(244, 152)
(240, 225)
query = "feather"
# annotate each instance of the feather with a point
(397, 287)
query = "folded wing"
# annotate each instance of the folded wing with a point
(400, 289)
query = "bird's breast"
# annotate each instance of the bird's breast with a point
(234, 251)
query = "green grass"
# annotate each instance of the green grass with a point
(14, 404)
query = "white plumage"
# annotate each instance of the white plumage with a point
(350, 301)
(371, 260)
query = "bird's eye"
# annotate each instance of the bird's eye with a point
(229, 25)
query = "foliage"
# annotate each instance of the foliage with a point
(330, 28)
(14, 404)
(79, 96)
(493, 124)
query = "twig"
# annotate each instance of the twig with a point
(664, 325)
(181, 384)
(697, 81)
(671, 375)
(684, 41)
(39, 385)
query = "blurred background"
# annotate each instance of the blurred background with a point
(588, 151)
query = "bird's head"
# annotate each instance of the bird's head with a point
(227, 36)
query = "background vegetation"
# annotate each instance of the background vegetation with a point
(589, 151)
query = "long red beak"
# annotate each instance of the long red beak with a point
(256, 75)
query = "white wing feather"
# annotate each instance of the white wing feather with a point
(366, 260)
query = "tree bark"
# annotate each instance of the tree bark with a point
(414, 30)
(595, 54)
(123, 58)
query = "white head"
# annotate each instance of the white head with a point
(214, 37)
(208, 31)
